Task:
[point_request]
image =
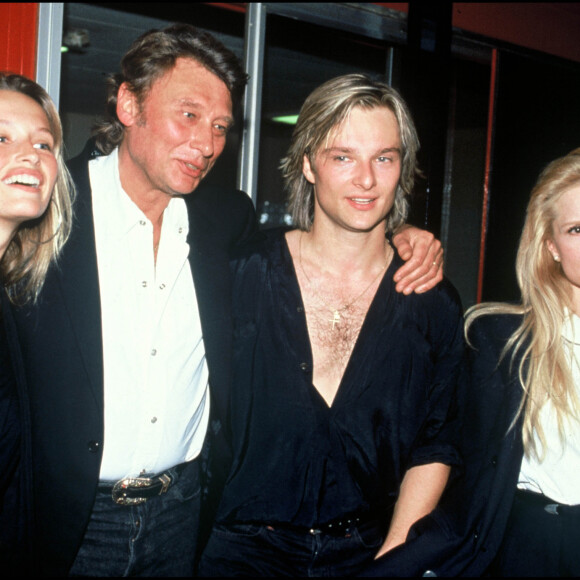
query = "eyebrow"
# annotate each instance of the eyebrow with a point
(196, 105)
(350, 150)
(571, 222)
(9, 123)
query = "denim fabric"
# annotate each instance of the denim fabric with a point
(155, 538)
(263, 550)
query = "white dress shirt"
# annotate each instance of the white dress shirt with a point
(558, 475)
(155, 370)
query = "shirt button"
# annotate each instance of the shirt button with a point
(144, 284)
(299, 309)
(304, 367)
(142, 222)
(429, 574)
(94, 446)
(153, 419)
(180, 230)
(162, 286)
(153, 352)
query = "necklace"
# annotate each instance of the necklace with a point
(335, 311)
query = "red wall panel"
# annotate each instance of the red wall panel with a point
(550, 27)
(18, 28)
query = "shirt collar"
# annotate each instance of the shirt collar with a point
(106, 180)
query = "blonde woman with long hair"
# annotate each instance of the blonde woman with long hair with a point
(35, 219)
(526, 378)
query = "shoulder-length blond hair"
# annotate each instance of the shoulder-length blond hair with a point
(37, 242)
(544, 369)
(324, 110)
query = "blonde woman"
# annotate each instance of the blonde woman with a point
(35, 218)
(526, 384)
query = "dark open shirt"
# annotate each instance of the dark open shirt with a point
(297, 460)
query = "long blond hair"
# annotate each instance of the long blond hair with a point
(37, 242)
(544, 359)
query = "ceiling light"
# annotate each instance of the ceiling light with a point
(286, 119)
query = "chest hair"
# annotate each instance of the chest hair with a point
(332, 344)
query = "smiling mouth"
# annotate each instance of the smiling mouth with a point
(362, 201)
(28, 180)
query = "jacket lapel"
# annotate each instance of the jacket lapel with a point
(209, 261)
(79, 279)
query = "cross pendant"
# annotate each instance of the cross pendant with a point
(335, 319)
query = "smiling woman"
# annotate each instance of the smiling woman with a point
(27, 160)
(35, 188)
(522, 443)
(35, 219)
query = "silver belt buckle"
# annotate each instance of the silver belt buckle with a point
(119, 490)
(119, 494)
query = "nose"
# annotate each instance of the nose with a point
(365, 175)
(28, 152)
(202, 139)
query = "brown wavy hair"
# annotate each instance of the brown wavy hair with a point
(150, 57)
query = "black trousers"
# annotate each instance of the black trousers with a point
(258, 550)
(542, 539)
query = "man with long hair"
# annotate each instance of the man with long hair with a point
(342, 411)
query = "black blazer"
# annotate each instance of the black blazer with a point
(16, 503)
(463, 534)
(61, 345)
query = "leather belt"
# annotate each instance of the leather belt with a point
(137, 490)
(342, 527)
(549, 505)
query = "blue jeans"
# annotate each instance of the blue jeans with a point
(264, 550)
(155, 538)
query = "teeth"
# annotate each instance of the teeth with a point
(23, 179)
(361, 200)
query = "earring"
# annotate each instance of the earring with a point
(556, 258)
